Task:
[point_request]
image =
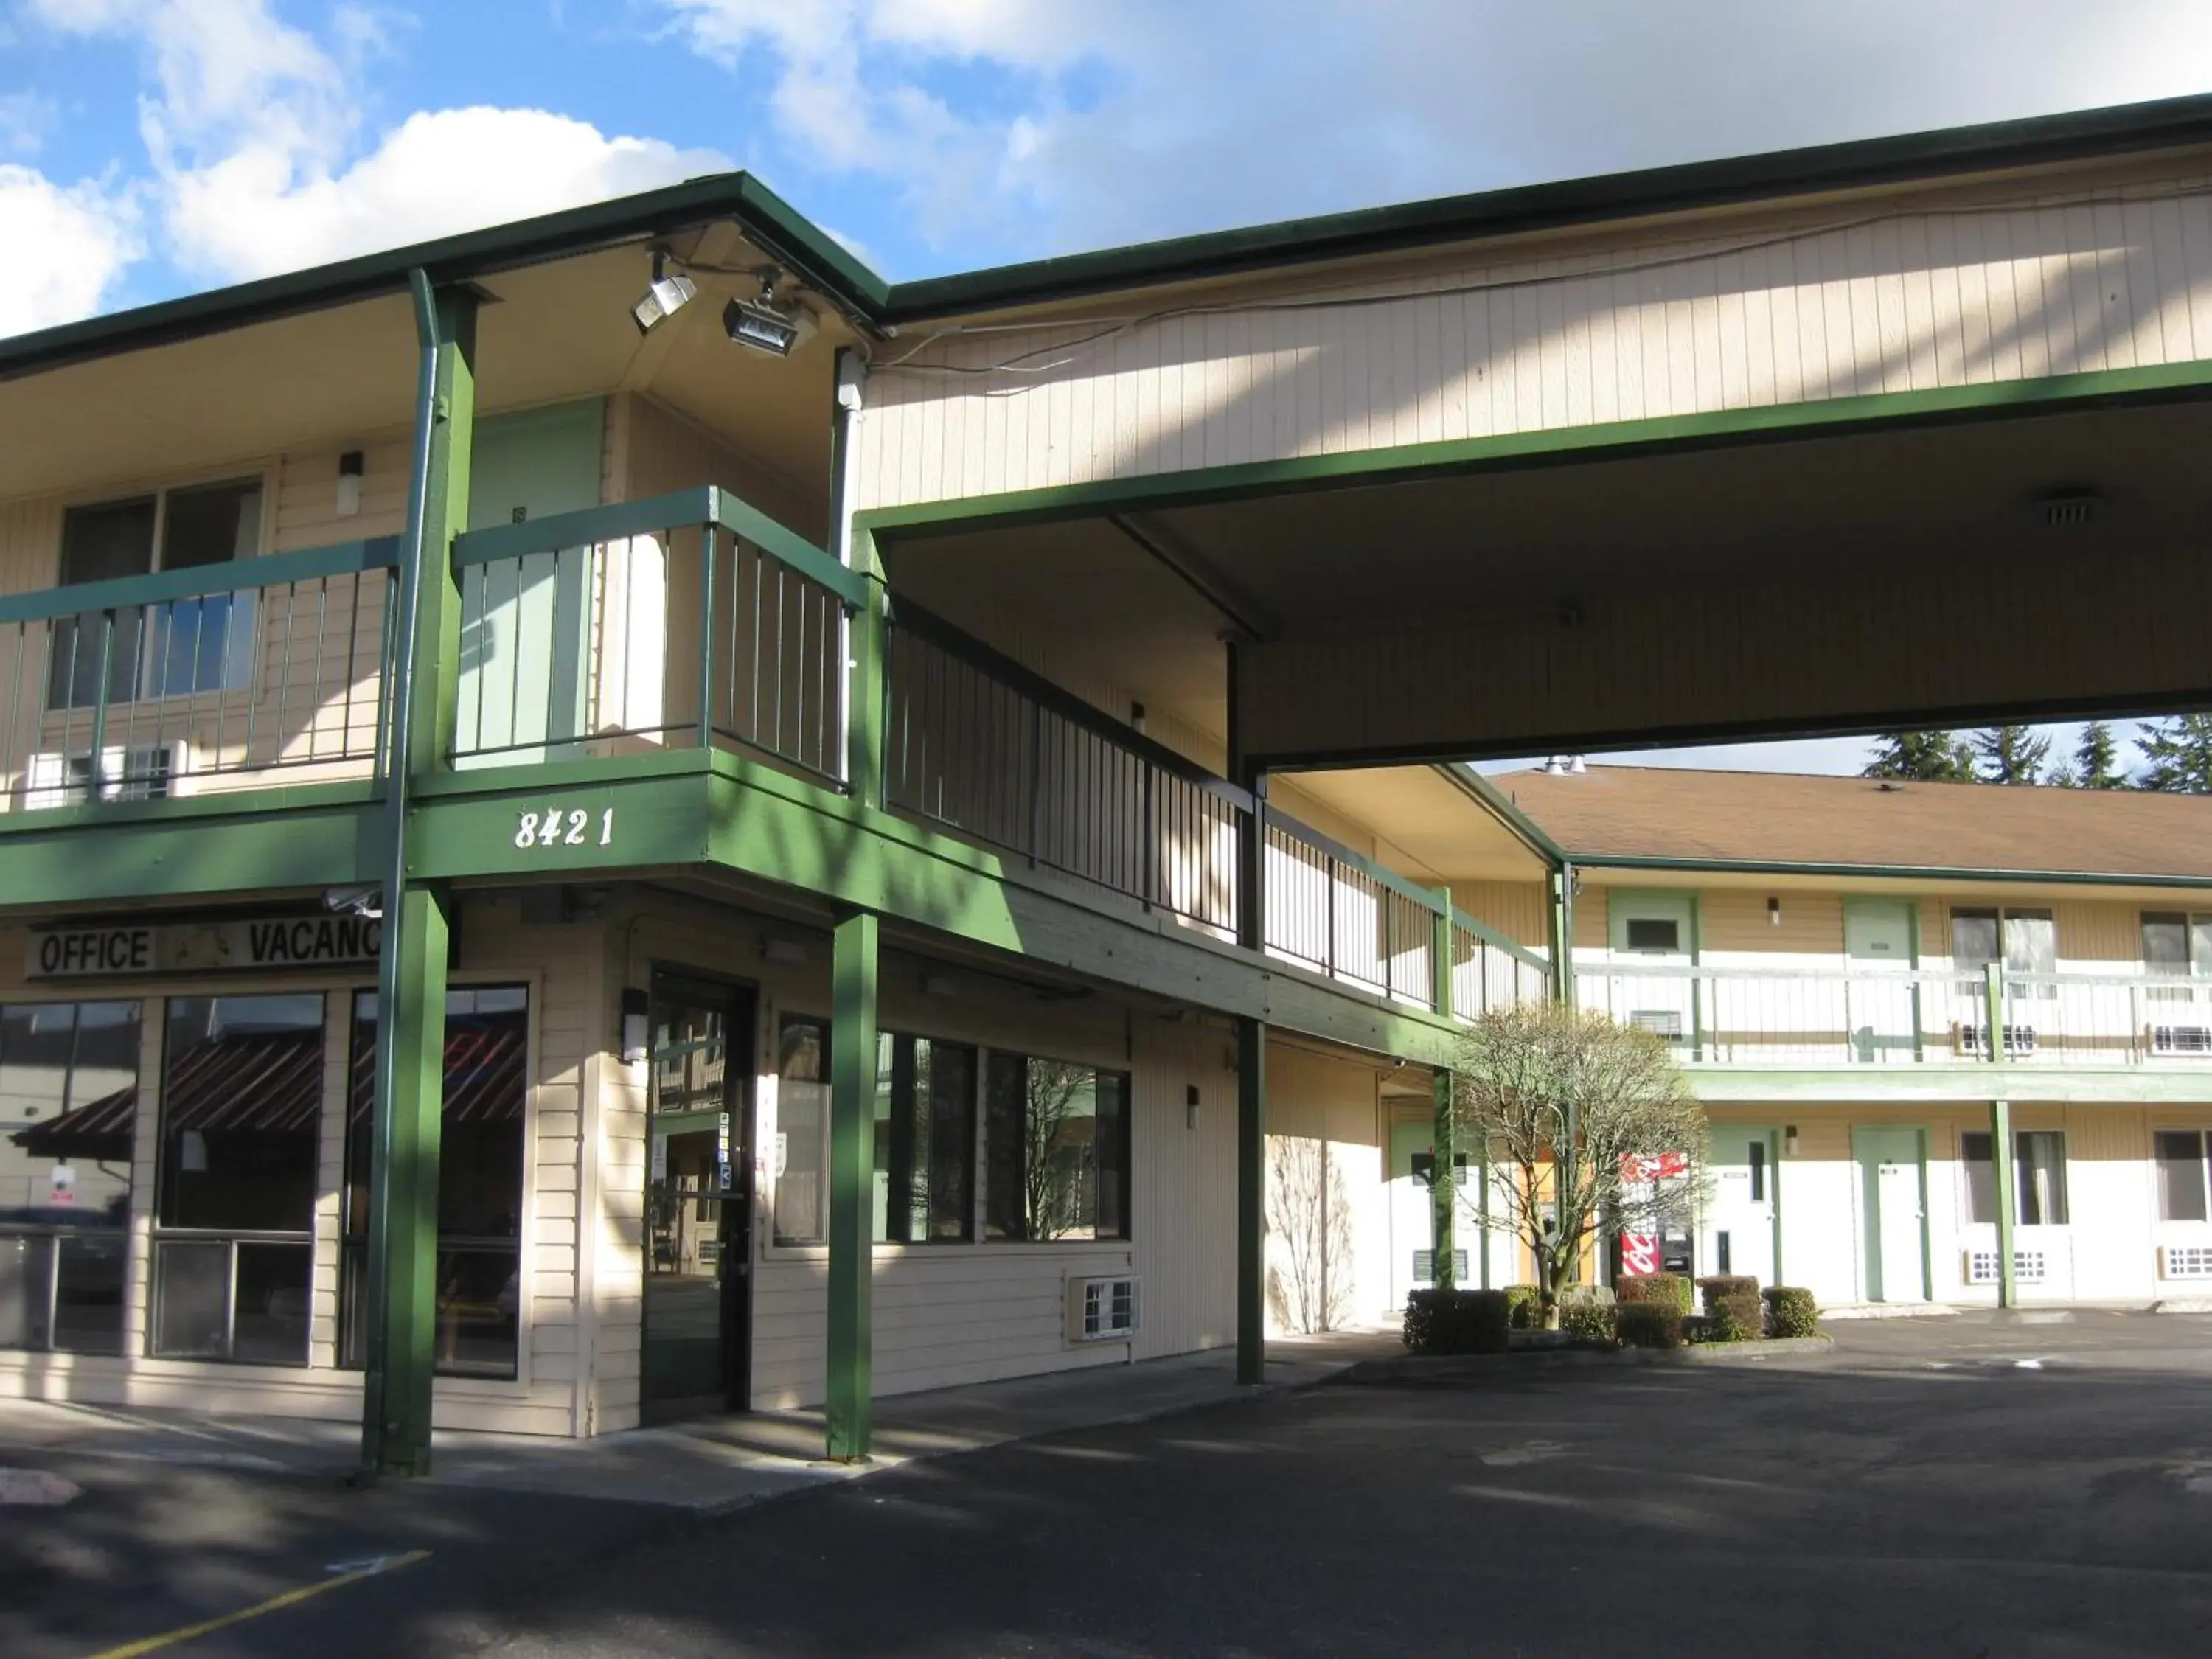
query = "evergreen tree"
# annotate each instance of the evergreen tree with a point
(2096, 760)
(2010, 754)
(2176, 753)
(1921, 756)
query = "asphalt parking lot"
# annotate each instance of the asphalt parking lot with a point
(1953, 1487)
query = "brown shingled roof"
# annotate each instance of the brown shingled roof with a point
(1774, 818)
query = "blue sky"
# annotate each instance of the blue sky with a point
(151, 148)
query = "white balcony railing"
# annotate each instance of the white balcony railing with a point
(1786, 1017)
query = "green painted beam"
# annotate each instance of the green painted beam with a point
(855, 960)
(1251, 1200)
(324, 835)
(198, 580)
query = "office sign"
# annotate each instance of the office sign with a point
(254, 945)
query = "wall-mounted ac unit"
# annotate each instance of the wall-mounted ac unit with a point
(1975, 1039)
(1425, 1266)
(1662, 1023)
(2028, 1266)
(2181, 1039)
(160, 771)
(2184, 1261)
(1102, 1309)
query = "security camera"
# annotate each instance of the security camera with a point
(355, 900)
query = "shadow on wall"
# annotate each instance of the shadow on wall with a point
(1310, 1270)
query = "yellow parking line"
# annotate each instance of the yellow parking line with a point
(290, 1598)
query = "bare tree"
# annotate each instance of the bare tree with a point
(1575, 1111)
(1057, 1173)
(1310, 1212)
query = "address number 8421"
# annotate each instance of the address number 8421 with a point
(564, 826)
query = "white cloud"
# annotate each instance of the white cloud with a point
(258, 210)
(254, 138)
(25, 117)
(66, 246)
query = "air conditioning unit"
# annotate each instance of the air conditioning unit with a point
(1425, 1266)
(152, 772)
(2181, 1039)
(2028, 1266)
(1664, 1023)
(1102, 1309)
(1975, 1039)
(2184, 1261)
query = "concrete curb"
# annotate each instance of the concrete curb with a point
(1413, 1367)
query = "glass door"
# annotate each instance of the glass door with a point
(698, 1200)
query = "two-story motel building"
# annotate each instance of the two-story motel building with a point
(848, 792)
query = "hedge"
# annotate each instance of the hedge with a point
(1712, 1290)
(1791, 1311)
(1524, 1305)
(1651, 1324)
(1589, 1319)
(1455, 1321)
(1654, 1287)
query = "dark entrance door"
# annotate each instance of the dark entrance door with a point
(698, 1200)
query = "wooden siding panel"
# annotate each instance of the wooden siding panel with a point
(1910, 299)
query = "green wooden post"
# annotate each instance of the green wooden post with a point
(1251, 1199)
(1444, 1188)
(1440, 953)
(854, 960)
(1252, 1094)
(864, 683)
(2000, 1152)
(423, 675)
(1560, 925)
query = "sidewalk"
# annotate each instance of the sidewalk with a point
(709, 1465)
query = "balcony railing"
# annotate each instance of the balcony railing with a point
(689, 620)
(1784, 1017)
(181, 682)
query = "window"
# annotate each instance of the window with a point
(2039, 1172)
(925, 1140)
(69, 1115)
(2182, 1187)
(1056, 1150)
(1758, 1151)
(486, 1094)
(2029, 943)
(2178, 946)
(177, 649)
(802, 1128)
(1653, 933)
(235, 1192)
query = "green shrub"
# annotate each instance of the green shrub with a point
(1648, 1324)
(1587, 1318)
(1791, 1312)
(1525, 1306)
(1455, 1321)
(1712, 1290)
(1733, 1318)
(1670, 1288)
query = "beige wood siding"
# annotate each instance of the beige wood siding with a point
(1912, 294)
(652, 450)
(1518, 909)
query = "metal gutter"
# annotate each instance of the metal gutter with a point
(826, 266)
(763, 215)
(1882, 872)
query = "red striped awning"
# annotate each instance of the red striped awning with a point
(487, 1074)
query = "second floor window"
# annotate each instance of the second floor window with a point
(2176, 945)
(177, 649)
(2026, 941)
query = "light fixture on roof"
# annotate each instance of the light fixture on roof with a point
(665, 296)
(777, 326)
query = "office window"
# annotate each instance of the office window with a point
(1056, 1150)
(235, 1192)
(177, 649)
(2039, 1178)
(925, 1140)
(1652, 933)
(2182, 1184)
(481, 1120)
(69, 1113)
(802, 1131)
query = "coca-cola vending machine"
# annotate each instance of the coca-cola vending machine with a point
(1672, 1250)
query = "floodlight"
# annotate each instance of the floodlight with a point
(768, 324)
(665, 296)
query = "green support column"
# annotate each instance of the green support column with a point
(2001, 1150)
(854, 957)
(402, 1236)
(1559, 923)
(401, 1271)
(1251, 1200)
(1444, 1188)
(870, 645)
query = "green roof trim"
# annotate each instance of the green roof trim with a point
(822, 262)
